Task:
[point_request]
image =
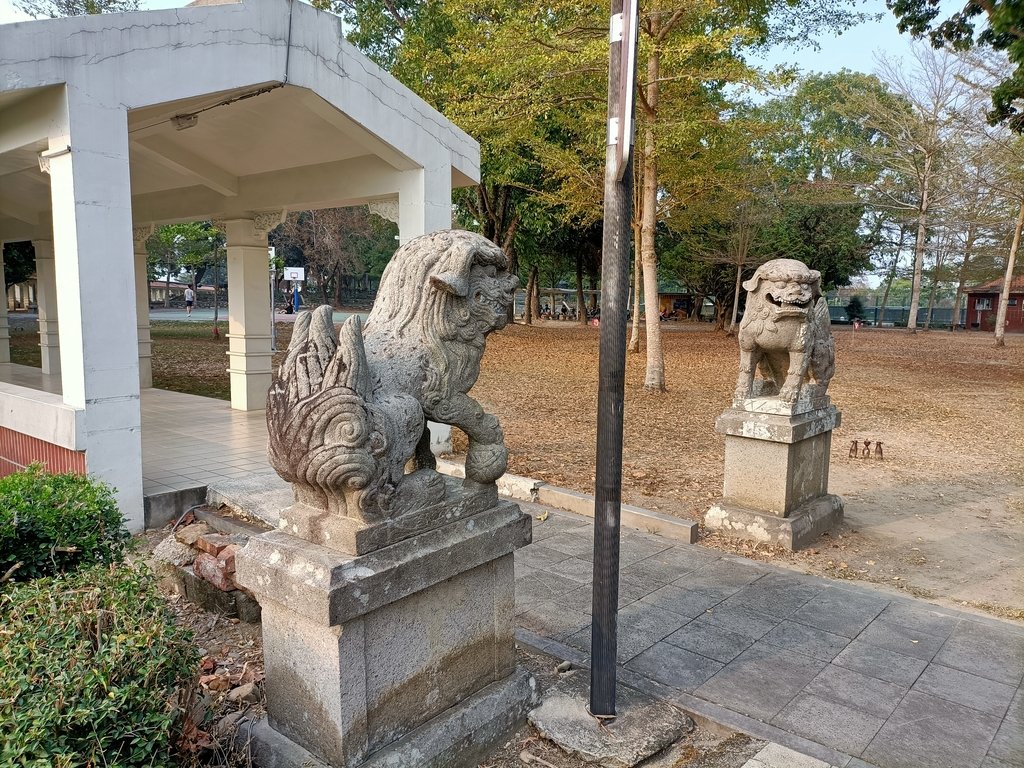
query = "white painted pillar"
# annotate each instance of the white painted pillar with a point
(249, 314)
(46, 286)
(425, 205)
(92, 242)
(424, 201)
(139, 237)
(5, 333)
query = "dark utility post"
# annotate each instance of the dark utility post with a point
(618, 210)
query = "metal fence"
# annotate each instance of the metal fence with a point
(942, 317)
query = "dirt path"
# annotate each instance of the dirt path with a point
(941, 516)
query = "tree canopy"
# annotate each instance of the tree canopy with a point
(19, 262)
(998, 24)
(57, 8)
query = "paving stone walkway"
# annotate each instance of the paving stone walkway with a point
(843, 673)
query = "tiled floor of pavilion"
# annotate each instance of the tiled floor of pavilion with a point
(187, 441)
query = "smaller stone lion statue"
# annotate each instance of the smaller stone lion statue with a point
(786, 333)
(347, 412)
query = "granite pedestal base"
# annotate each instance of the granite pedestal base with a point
(462, 735)
(363, 651)
(776, 471)
(803, 526)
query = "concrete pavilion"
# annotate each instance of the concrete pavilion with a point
(111, 125)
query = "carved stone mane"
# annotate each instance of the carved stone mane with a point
(786, 333)
(346, 413)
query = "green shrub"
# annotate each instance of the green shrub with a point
(55, 523)
(89, 666)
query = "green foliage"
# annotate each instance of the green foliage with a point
(190, 246)
(89, 665)
(825, 236)
(823, 130)
(998, 24)
(19, 262)
(57, 523)
(57, 8)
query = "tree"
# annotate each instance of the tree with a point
(919, 127)
(19, 263)
(998, 24)
(189, 246)
(339, 247)
(826, 237)
(528, 79)
(1001, 153)
(1004, 296)
(56, 8)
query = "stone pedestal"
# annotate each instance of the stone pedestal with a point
(402, 656)
(776, 471)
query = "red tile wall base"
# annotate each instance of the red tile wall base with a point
(17, 451)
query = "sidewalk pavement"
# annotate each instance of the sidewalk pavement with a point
(840, 672)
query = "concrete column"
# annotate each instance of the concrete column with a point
(5, 333)
(139, 236)
(92, 243)
(425, 205)
(424, 201)
(46, 281)
(249, 315)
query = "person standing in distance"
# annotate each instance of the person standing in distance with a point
(190, 300)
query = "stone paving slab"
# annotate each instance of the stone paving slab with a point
(846, 675)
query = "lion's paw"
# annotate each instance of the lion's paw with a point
(485, 462)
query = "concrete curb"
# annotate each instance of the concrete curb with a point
(539, 492)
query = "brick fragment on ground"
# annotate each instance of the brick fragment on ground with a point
(213, 570)
(213, 543)
(227, 558)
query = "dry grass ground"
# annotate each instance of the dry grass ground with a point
(942, 516)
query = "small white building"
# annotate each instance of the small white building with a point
(111, 125)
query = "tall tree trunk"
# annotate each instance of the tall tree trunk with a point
(508, 245)
(698, 305)
(922, 231)
(736, 298)
(1004, 296)
(634, 334)
(719, 315)
(654, 379)
(962, 276)
(530, 302)
(891, 272)
(581, 302)
(939, 259)
(167, 287)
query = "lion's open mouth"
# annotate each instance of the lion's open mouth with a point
(788, 307)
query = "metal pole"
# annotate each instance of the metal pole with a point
(273, 325)
(618, 210)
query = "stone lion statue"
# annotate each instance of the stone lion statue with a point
(786, 333)
(348, 412)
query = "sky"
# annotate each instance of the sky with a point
(854, 50)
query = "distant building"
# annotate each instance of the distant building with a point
(983, 303)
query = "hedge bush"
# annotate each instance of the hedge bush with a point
(89, 666)
(55, 523)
